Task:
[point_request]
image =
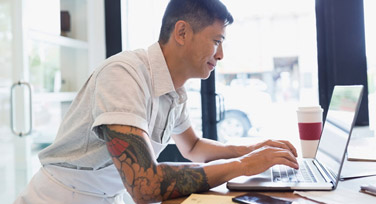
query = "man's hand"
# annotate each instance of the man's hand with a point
(283, 144)
(265, 157)
(259, 157)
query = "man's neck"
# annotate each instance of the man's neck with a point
(174, 65)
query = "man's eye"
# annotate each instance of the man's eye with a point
(217, 42)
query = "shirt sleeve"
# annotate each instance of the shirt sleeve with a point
(120, 97)
(183, 122)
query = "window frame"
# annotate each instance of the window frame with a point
(341, 50)
(113, 27)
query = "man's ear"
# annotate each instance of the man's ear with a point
(181, 32)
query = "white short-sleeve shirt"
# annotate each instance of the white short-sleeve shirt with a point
(131, 88)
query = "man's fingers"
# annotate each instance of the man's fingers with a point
(290, 147)
(284, 161)
(268, 156)
(284, 157)
(284, 145)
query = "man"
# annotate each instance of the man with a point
(128, 110)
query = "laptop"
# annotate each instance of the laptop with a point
(323, 171)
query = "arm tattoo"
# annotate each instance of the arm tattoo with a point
(142, 177)
(187, 179)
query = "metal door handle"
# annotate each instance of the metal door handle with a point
(11, 109)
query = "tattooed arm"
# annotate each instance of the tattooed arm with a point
(149, 181)
(143, 177)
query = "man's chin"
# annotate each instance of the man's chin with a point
(203, 76)
(207, 75)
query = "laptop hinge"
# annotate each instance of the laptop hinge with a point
(324, 172)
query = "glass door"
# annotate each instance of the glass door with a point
(6, 147)
(14, 104)
(42, 66)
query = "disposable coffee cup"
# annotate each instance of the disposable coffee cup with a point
(310, 127)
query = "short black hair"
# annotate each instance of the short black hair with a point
(198, 13)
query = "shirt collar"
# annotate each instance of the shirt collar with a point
(162, 81)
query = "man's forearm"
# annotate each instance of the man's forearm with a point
(206, 150)
(162, 181)
(199, 149)
(149, 181)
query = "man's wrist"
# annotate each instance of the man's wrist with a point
(241, 150)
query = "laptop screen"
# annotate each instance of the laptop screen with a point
(340, 119)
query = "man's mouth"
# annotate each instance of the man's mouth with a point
(212, 65)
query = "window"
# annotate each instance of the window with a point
(272, 58)
(141, 22)
(270, 66)
(270, 54)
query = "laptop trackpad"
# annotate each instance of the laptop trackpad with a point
(263, 177)
(261, 181)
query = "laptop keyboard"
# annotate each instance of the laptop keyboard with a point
(282, 173)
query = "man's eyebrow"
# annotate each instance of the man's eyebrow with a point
(221, 36)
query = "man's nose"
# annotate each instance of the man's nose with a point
(219, 54)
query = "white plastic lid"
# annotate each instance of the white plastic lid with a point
(310, 108)
(309, 114)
